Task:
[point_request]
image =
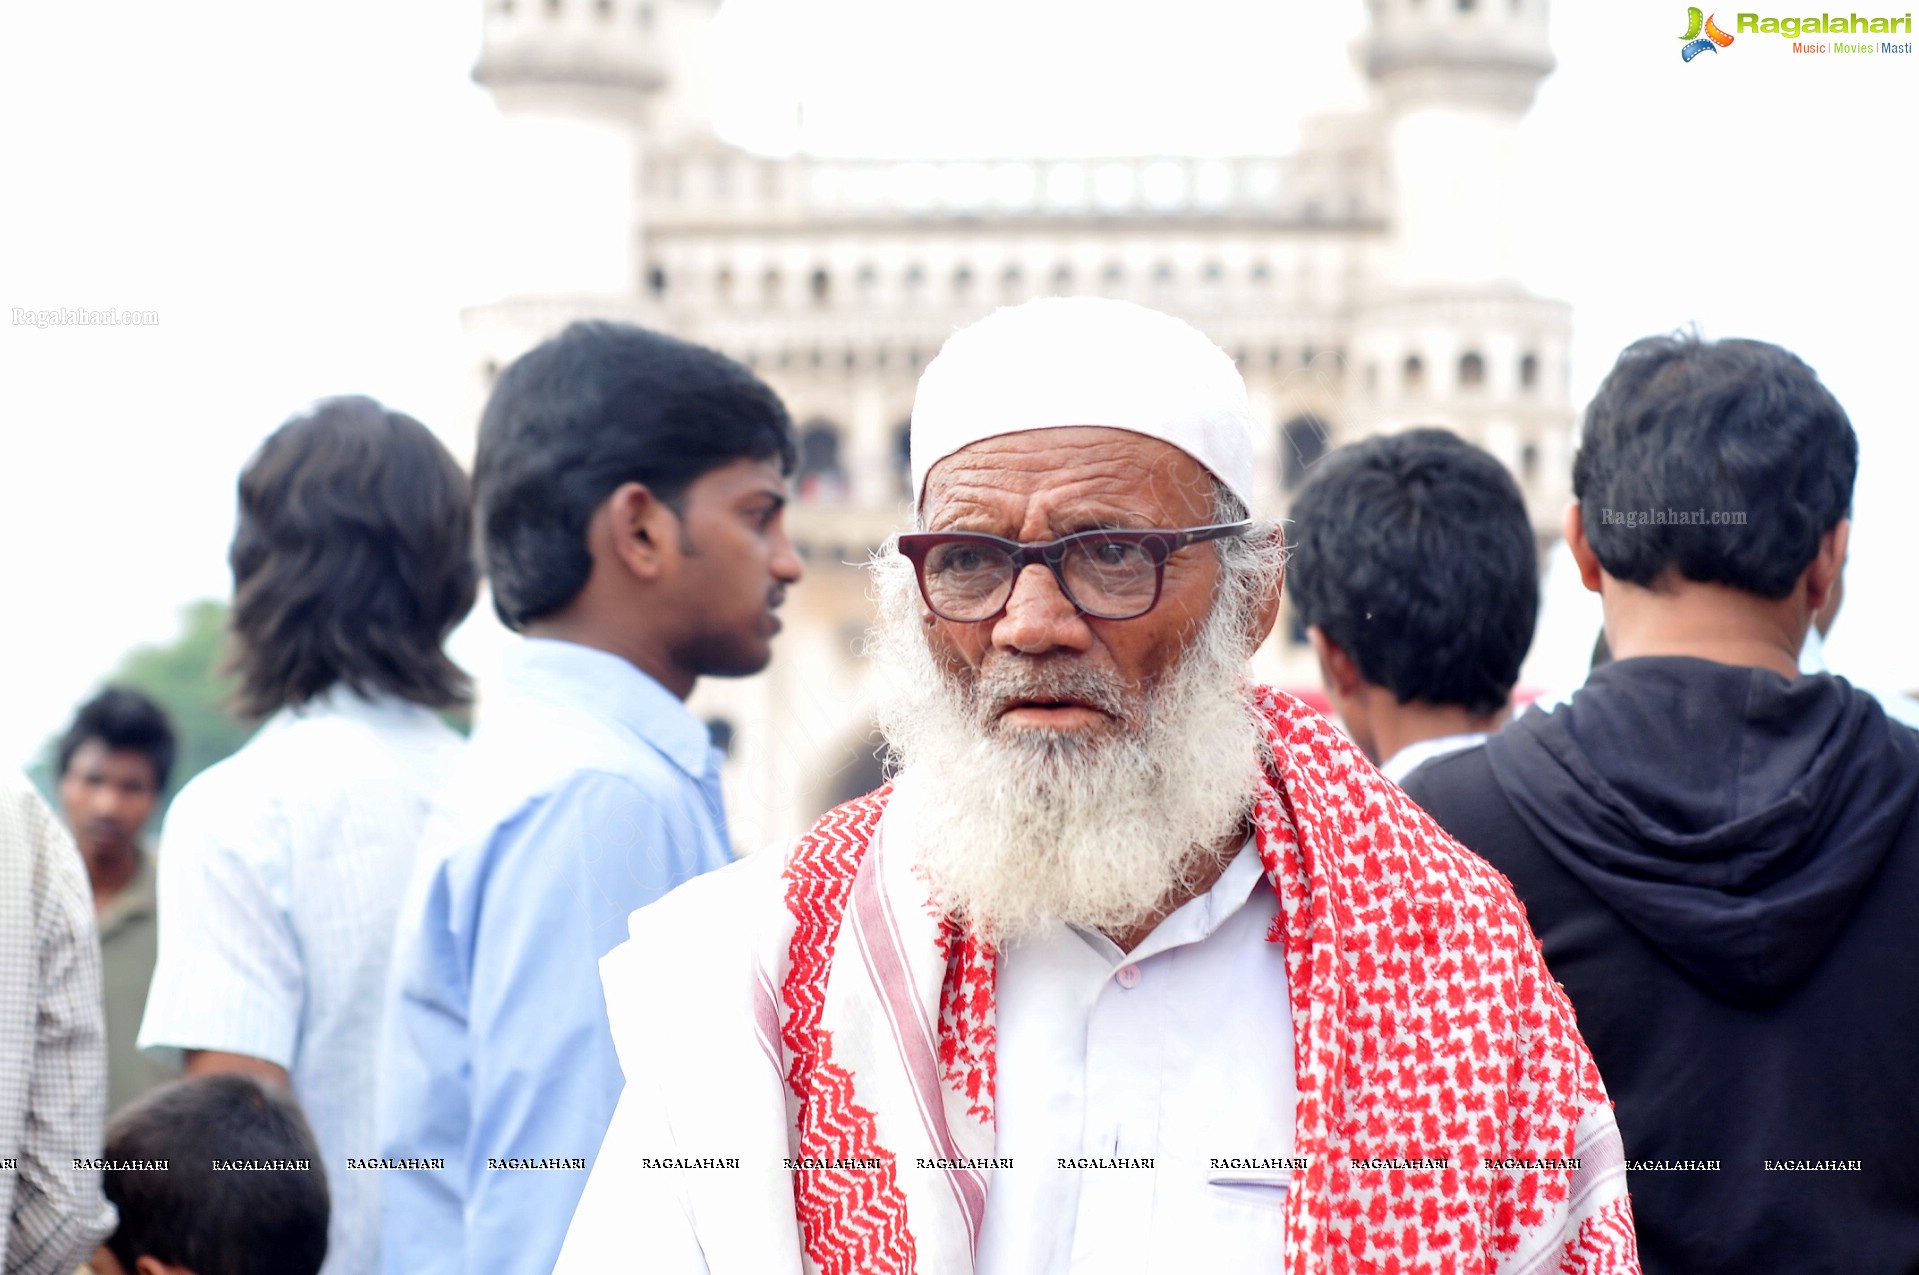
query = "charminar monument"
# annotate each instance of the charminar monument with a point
(1365, 283)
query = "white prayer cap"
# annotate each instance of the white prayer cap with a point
(1066, 361)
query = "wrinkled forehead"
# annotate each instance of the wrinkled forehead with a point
(1067, 363)
(1068, 477)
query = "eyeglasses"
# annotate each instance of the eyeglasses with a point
(967, 577)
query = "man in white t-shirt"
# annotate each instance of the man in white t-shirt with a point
(281, 869)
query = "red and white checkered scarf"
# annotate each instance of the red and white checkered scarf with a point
(1425, 1022)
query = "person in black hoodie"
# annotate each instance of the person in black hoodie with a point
(1720, 856)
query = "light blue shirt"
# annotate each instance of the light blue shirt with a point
(588, 791)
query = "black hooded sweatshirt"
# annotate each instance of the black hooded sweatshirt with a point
(1722, 866)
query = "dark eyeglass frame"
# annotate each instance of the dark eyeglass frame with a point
(1158, 544)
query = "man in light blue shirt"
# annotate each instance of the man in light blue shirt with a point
(630, 490)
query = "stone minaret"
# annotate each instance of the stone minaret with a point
(1447, 332)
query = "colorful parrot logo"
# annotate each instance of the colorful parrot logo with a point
(1697, 21)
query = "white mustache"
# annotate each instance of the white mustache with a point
(1003, 684)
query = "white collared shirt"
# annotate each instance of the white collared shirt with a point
(1419, 752)
(1180, 1052)
(281, 871)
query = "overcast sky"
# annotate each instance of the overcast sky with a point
(303, 192)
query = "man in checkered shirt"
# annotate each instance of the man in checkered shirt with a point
(53, 1044)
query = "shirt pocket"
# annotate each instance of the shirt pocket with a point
(1254, 1188)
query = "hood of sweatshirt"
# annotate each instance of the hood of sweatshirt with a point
(1732, 816)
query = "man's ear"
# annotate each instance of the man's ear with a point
(1337, 668)
(637, 529)
(1573, 526)
(1266, 614)
(1827, 570)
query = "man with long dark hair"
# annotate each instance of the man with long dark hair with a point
(282, 868)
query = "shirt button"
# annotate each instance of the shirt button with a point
(1128, 976)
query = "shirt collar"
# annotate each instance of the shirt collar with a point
(1195, 920)
(603, 685)
(341, 700)
(1419, 752)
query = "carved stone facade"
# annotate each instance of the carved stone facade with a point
(1364, 283)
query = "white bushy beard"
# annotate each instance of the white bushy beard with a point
(1014, 827)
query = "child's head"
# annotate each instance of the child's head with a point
(243, 1191)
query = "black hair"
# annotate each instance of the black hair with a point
(213, 1221)
(1738, 430)
(1414, 553)
(352, 561)
(125, 721)
(600, 405)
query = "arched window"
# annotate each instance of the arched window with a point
(1472, 370)
(1262, 274)
(656, 280)
(723, 284)
(1529, 372)
(1412, 375)
(1012, 280)
(867, 279)
(1113, 278)
(770, 286)
(914, 281)
(1163, 275)
(821, 479)
(822, 286)
(1302, 441)
(1529, 461)
(1063, 277)
(962, 283)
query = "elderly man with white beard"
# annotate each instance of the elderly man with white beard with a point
(1135, 965)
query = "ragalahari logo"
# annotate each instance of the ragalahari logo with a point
(1696, 21)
